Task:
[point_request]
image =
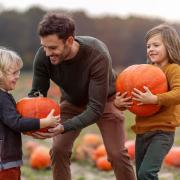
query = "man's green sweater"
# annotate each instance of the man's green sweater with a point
(85, 80)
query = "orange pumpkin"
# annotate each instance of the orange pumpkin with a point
(92, 140)
(29, 147)
(173, 157)
(130, 145)
(99, 152)
(40, 158)
(103, 164)
(37, 107)
(87, 145)
(137, 76)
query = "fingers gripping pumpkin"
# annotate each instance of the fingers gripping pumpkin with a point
(138, 76)
(37, 107)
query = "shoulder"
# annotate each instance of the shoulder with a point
(5, 98)
(172, 72)
(95, 47)
(92, 42)
(88, 39)
(3, 95)
(172, 68)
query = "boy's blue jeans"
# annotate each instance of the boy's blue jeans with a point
(151, 148)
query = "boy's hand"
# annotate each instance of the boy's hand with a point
(50, 120)
(144, 97)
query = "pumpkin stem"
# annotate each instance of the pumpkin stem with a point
(37, 94)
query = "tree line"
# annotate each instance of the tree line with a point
(123, 36)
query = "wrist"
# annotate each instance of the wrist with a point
(155, 99)
(43, 123)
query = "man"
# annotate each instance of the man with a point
(81, 67)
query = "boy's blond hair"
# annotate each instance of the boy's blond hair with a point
(8, 58)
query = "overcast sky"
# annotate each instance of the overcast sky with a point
(166, 9)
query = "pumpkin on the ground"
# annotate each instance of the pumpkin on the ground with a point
(173, 157)
(130, 145)
(87, 145)
(29, 147)
(37, 107)
(83, 152)
(92, 140)
(99, 152)
(40, 158)
(103, 164)
(138, 76)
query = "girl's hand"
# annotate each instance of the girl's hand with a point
(121, 101)
(144, 97)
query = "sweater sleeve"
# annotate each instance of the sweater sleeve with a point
(98, 89)
(11, 118)
(172, 97)
(41, 79)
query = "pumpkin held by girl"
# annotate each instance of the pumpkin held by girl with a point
(138, 76)
(37, 107)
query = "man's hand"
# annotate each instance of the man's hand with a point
(52, 132)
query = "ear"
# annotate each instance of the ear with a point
(1, 74)
(70, 40)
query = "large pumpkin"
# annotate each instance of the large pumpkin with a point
(37, 107)
(137, 76)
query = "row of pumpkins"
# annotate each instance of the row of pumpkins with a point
(90, 148)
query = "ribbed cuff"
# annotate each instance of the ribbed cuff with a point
(68, 127)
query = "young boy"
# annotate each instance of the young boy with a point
(12, 123)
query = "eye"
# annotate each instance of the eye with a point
(156, 45)
(148, 46)
(52, 48)
(16, 73)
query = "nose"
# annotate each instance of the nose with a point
(47, 51)
(17, 75)
(150, 49)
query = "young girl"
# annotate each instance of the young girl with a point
(155, 134)
(11, 123)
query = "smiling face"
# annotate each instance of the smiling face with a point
(156, 51)
(56, 49)
(9, 79)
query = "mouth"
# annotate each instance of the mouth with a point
(14, 83)
(153, 55)
(52, 57)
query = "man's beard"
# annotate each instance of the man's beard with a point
(62, 57)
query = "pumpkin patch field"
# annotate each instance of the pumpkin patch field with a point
(89, 157)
